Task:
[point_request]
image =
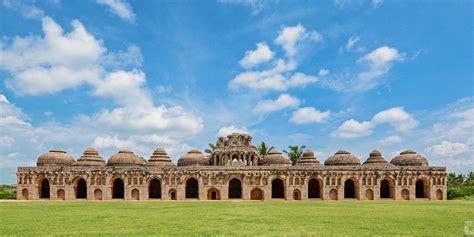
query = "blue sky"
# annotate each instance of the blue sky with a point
(353, 75)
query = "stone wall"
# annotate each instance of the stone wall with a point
(331, 181)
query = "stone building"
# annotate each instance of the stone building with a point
(234, 170)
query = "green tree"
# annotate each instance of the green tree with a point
(212, 147)
(295, 153)
(264, 149)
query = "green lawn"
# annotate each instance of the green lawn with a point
(205, 218)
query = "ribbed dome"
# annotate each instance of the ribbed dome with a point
(193, 158)
(90, 158)
(308, 159)
(410, 158)
(275, 158)
(376, 159)
(125, 157)
(160, 158)
(54, 157)
(342, 158)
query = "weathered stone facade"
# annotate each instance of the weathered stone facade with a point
(234, 170)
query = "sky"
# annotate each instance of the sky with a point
(330, 75)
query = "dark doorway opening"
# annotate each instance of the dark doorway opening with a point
(313, 189)
(44, 189)
(81, 189)
(385, 189)
(420, 189)
(278, 189)
(192, 188)
(349, 189)
(235, 188)
(154, 191)
(117, 189)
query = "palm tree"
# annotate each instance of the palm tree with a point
(295, 153)
(211, 147)
(263, 149)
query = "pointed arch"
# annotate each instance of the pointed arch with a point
(314, 188)
(192, 188)
(118, 190)
(278, 188)
(154, 189)
(256, 194)
(235, 188)
(81, 189)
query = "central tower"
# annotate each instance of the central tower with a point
(235, 150)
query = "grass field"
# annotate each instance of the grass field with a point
(205, 218)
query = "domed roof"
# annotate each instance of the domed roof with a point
(125, 157)
(409, 158)
(160, 158)
(308, 159)
(55, 157)
(193, 158)
(90, 158)
(376, 159)
(342, 158)
(275, 158)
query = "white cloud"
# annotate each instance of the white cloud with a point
(55, 62)
(256, 5)
(353, 128)
(390, 140)
(28, 11)
(323, 72)
(126, 88)
(351, 43)
(290, 36)
(377, 3)
(131, 57)
(380, 61)
(396, 117)
(282, 102)
(300, 79)
(257, 56)
(280, 77)
(121, 8)
(446, 148)
(224, 131)
(309, 115)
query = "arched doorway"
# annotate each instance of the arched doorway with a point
(386, 188)
(172, 194)
(192, 188)
(314, 189)
(405, 194)
(61, 194)
(256, 194)
(296, 195)
(44, 189)
(369, 194)
(24, 194)
(118, 189)
(349, 189)
(135, 194)
(98, 194)
(81, 189)
(278, 189)
(154, 189)
(422, 188)
(333, 194)
(235, 188)
(439, 194)
(213, 194)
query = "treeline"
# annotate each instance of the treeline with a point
(461, 186)
(7, 192)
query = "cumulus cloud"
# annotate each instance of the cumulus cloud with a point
(380, 61)
(282, 102)
(390, 140)
(52, 63)
(290, 36)
(27, 10)
(121, 59)
(309, 115)
(396, 117)
(257, 56)
(280, 76)
(120, 8)
(224, 131)
(446, 148)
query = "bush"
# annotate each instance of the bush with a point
(7, 192)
